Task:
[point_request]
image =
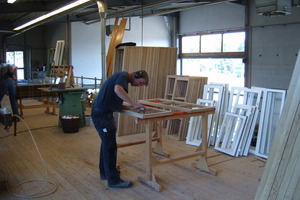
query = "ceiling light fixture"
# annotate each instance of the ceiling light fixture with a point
(11, 1)
(51, 14)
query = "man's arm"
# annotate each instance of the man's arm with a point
(119, 90)
(13, 69)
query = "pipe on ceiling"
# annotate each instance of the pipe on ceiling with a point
(102, 9)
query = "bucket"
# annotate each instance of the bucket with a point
(70, 123)
(88, 120)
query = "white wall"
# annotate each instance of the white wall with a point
(212, 17)
(275, 43)
(86, 44)
(150, 31)
(85, 49)
(274, 51)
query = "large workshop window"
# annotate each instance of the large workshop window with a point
(16, 58)
(218, 56)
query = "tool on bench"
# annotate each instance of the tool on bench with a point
(142, 110)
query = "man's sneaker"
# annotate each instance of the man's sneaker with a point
(103, 177)
(15, 119)
(121, 184)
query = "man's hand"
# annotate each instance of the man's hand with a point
(142, 110)
(139, 107)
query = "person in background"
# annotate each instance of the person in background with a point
(110, 99)
(8, 85)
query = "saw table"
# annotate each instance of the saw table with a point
(69, 101)
(159, 110)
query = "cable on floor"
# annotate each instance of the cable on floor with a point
(46, 182)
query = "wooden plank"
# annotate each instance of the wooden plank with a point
(117, 37)
(136, 143)
(179, 158)
(285, 154)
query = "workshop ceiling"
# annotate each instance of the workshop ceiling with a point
(22, 11)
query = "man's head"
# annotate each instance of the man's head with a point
(140, 78)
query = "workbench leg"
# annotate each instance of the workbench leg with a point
(21, 107)
(53, 105)
(150, 183)
(15, 128)
(202, 162)
(202, 166)
(158, 146)
(149, 180)
(46, 101)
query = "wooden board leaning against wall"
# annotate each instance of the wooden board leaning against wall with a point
(158, 62)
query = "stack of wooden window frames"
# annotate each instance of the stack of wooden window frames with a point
(184, 89)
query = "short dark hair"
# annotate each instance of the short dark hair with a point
(141, 74)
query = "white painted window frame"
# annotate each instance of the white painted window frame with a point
(230, 133)
(267, 121)
(217, 92)
(195, 125)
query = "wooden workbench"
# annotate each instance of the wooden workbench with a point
(160, 111)
(32, 91)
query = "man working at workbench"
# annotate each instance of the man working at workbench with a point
(8, 84)
(110, 99)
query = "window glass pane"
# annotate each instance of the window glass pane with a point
(234, 42)
(219, 70)
(10, 57)
(19, 59)
(20, 74)
(16, 58)
(211, 43)
(190, 44)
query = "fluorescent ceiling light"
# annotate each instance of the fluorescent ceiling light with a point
(50, 14)
(11, 1)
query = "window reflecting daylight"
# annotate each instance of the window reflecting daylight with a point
(211, 43)
(234, 42)
(218, 70)
(190, 44)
